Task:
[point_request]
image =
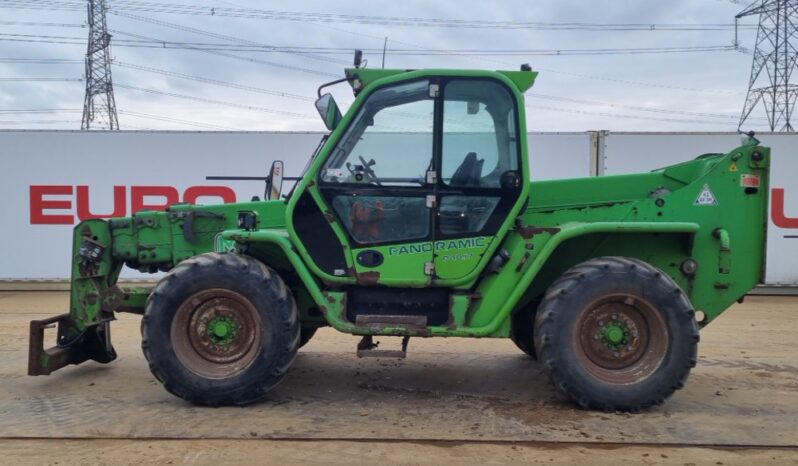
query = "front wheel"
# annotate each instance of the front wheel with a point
(220, 329)
(616, 334)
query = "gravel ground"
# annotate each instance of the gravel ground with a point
(451, 401)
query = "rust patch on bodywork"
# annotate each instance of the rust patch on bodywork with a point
(530, 231)
(111, 298)
(368, 278)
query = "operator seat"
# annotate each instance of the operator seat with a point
(469, 172)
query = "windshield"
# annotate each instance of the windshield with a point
(390, 140)
(310, 162)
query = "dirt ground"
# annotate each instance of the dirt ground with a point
(451, 401)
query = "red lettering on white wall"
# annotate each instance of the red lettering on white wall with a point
(38, 205)
(780, 219)
(168, 195)
(224, 193)
(74, 202)
(84, 211)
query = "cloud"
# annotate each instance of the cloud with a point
(621, 81)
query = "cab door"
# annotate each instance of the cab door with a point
(480, 173)
(376, 183)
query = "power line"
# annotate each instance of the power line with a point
(212, 34)
(331, 51)
(41, 24)
(296, 16)
(15, 111)
(638, 83)
(631, 107)
(310, 51)
(217, 102)
(554, 71)
(239, 57)
(527, 52)
(40, 61)
(40, 79)
(398, 20)
(36, 122)
(215, 82)
(617, 115)
(176, 120)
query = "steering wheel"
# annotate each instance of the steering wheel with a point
(363, 173)
(367, 167)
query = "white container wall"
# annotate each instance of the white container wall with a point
(52, 179)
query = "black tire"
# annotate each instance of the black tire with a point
(305, 334)
(522, 329)
(646, 354)
(220, 329)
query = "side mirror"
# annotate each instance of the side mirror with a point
(328, 110)
(274, 184)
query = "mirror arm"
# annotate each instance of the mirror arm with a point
(331, 83)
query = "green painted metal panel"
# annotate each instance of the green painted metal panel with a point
(707, 211)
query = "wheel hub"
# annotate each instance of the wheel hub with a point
(217, 333)
(615, 335)
(222, 330)
(621, 338)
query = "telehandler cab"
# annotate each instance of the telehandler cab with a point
(415, 217)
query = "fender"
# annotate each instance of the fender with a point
(567, 232)
(280, 239)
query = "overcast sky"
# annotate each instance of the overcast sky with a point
(573, 93)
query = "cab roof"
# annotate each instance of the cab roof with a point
(523, 79)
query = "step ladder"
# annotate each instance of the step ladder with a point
(367, 347)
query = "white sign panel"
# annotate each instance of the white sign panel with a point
(50, 180)
(636, 152)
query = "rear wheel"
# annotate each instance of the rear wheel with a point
(220, 329)
(616, 334)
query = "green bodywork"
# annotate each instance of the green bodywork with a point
(713, 250)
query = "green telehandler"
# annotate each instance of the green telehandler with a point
(415, 217)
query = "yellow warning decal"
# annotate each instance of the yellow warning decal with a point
(733, 167)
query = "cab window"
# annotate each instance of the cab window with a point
(479, 140)
(390, 141)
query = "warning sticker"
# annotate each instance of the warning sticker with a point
(705, 197)
(733, 167)
(749, 181)
(334, 173)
